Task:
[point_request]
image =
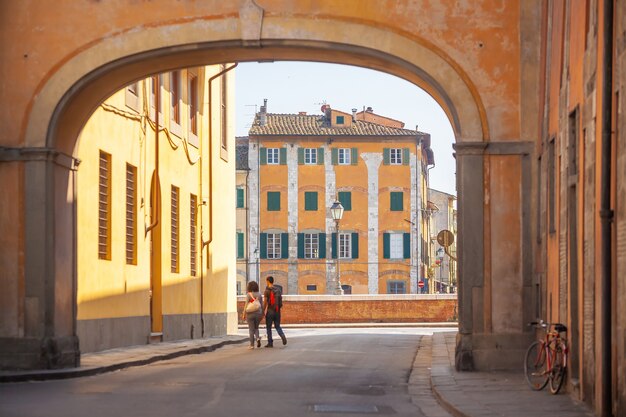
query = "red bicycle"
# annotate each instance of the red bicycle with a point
(546, 358)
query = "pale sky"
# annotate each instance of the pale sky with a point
(291, 87)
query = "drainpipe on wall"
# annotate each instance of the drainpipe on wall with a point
(606, 214)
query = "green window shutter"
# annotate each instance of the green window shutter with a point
(385, 156)
(322, 245)
(239, 245)
(345, 198)
(284, 245)
(340, 120)
(334, 156)
(355, 246)
(300, 156)
(283, 156)
(300, 245)
(239, 197)
(405, 156)
(333, 245)
(263, 254)
(320, 156)
(263, 156)
(273, 201)
(396, 201)
(354, 157)
(310, 200)
(407, 245)
(386, 246)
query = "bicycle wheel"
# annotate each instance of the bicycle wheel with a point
(557, 374)
(535, 366)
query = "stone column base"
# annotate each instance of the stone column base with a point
(33, 353)
(491, 352)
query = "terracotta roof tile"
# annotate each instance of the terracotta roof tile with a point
(312, 125)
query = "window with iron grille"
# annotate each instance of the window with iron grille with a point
(310, 156)
(131, 214)
(193, 252)
(396, 287)
(174, 230)
(345, 156)
(345, 245)
(311, 245)
(104, 206)
(395, 156)
(175, 96)
(273, 246)
(193, 104)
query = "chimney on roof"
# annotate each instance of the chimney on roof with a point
(354, 115)
(302, 113)
(370, 110)
(263, 113)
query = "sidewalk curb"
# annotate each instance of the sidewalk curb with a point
(45, 375)
(451, 325)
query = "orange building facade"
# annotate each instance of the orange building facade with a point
(299, 165)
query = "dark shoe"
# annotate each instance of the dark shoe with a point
(258, 342)
(269, 345)
(284, 340)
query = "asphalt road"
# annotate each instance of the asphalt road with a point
(323, 372)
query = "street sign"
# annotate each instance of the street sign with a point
(420, 284)
(445, 238)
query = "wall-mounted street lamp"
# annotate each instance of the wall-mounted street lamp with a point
(336, 211)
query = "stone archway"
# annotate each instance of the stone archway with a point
(68, 93)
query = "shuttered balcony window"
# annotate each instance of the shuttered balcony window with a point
(131, 215)
(104, 206)
(193, 251)
(174, 230)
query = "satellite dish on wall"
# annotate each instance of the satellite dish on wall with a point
(324, 107)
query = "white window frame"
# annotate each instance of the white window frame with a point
(273, 246)
(311, 246)
(273, 156)
(397, 283)
(395, 156)
(344, 156)
(396, 245)
(310, 156)
(345, 245)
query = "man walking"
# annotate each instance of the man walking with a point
(273, 303)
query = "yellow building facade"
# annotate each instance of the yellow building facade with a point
(299, 165)
(156, 257)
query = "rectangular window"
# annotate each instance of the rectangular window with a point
(272, 156)
(174, 230)
(395, 156)
(396, 246)
(345, 245)
(340, 120)
(131, 215)
(240, 200)
(193, 104)
(104, 206)
(273, 201)
(396, 201)
(311, 246)
(193, 252)
(396, 287)
(345, 156)
(310, 200)
(311, 287)
(153, 90)
(310, 156)
(345, 198)
(240, 244)
(175, 96)
(273, 246)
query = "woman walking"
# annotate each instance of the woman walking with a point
(253, 312)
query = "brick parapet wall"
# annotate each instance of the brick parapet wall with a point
(323, 309)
